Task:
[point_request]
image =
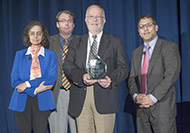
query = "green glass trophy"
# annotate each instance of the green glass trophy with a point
(97, 68)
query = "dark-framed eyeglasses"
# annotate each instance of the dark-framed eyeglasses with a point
(93, 17)
(64, 21)
(141, 26)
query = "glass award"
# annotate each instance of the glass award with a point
(97, 68)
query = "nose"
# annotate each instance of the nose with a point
(35, 35)
(95, 18)
(66, 22)
(145, 27)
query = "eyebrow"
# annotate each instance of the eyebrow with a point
(35, 31)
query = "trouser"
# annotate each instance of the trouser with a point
(146, 123)
(32, 119)
(59, 119)
(90, 121)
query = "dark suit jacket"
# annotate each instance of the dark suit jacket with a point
(111, 50)
(163, 72)
(55, 45)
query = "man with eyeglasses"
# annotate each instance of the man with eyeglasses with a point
(155, 67)
(94, 102)
(60, 43)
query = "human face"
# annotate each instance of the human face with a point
(35, 35)
(65, 25)
(95, 19)
(147, 29)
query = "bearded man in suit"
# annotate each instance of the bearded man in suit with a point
(94, 102)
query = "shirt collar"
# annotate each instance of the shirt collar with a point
(99, 35)
(41, 52)
(62, 39)
(152, 43)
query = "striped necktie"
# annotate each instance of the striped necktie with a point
(144, 70)
(65, 82)
(93, 49)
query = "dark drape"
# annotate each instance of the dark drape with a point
(173, 18)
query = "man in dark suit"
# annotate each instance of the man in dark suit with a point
(59, 119)
(95, 102)
(155, 67)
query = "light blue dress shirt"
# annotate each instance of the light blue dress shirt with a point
(151, 49)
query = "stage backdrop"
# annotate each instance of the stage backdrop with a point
(172, 17)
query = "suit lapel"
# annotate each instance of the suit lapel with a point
(103, 44)
(83, 49)
(139, 59)
(57, 49)
(27, 65)
(42, 62)
(154, 56)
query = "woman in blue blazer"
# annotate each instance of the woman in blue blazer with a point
(33, 76)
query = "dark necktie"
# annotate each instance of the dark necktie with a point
(144, 70)
(93, 49)
(65, 82)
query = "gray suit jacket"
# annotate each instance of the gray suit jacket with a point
(111, 50)
(163, 72)
(55, 45)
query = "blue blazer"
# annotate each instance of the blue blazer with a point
(21, 73)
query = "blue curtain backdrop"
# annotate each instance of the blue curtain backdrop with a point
(173, 18)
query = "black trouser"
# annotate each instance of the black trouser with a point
(32, 119)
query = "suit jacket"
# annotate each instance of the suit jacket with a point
(55, 45)
(163, 72)
(21, 73)
(112, 52)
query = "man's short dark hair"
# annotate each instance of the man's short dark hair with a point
(147, 16)
(66, 12)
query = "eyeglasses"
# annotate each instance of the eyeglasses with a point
(64, 21)
(141, 26)
(93, 17)
(38, 33)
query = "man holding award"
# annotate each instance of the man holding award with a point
(95, 65)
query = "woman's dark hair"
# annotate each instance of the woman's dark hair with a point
(45, 34)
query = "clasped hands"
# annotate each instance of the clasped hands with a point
(105, 83)
(21, 87)
(144, 100)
